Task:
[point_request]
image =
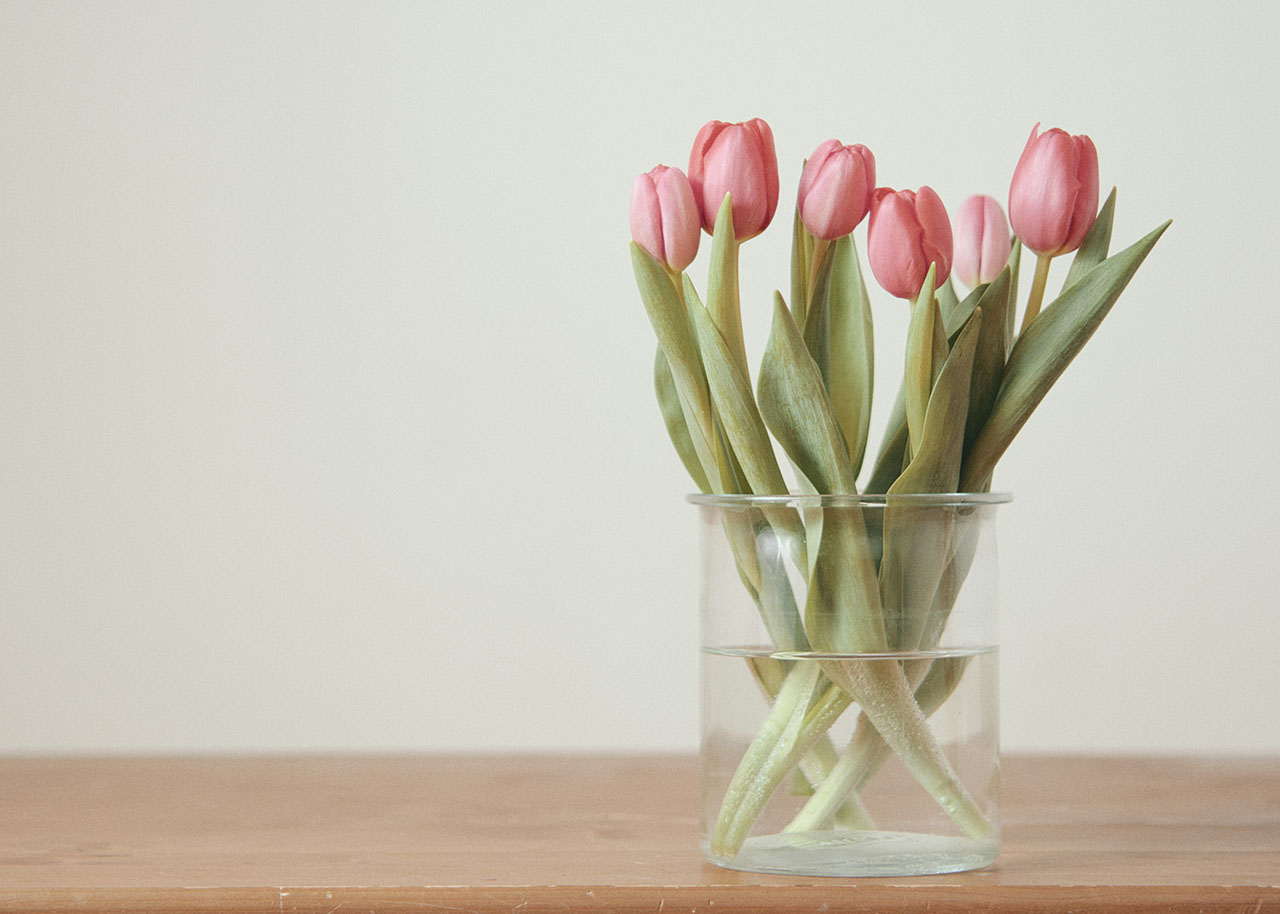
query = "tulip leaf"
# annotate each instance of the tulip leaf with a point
(988, 359)
(947, 298)
(735, 407)
(794, 404)
(722, 286)
(1045, 349)
(920, 352)
(916, 538)
(673, 416)
(800, 252)
(935, 465)
(816, 328)
(670, 320)
(1011, 317)
(955, 317)
(893, 448)
(851, 369)
(1093, 249)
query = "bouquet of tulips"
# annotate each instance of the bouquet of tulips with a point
(973, 374)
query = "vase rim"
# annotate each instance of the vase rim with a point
(801, 500)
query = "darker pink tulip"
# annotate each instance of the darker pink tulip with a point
(982, 241)
(908, 231)
(1053, 198)
(664, 217)
(835, 189)
(735, 159)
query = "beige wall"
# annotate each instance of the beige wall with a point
(325, 417)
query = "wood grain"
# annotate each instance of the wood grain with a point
(585, 833)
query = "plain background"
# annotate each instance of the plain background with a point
(325, 406)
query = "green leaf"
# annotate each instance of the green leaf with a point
(800, 251)
(921, 343)
(843, 607)
(816, 328)
(954, 320)
(1097, 241)
(744, 429)
(1045, 349)
(670, 322)
(673, 416)
(795, 407)
(988, 359)
(1011, 319)
(947, 298)
(915, 537)
(935, 466)
(893, 447)
(722, 286)
(735, 407)
(851, 371)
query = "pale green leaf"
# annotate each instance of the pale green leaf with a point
(722, 286)
(673, 417)
(800, 252)
(794, 404)
(893, 448)
(851, 371)
(988, 359)
(915, 538)
(1096, 244)
(736, 408)
(921, 344)
(935, 465)
(1011, 318)
(1046, 348)
(670, 321)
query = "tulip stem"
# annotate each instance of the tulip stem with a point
(1037, 289)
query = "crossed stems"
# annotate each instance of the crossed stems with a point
(895, 699)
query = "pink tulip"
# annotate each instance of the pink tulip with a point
(1053, 198)
(908, 231)
(981, 240)
(736, 159)
(664, 217)
(835, 189)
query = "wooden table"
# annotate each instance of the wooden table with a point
(524, 834)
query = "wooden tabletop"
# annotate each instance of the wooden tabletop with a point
(547, 833)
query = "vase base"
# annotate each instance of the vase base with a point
(858, 853)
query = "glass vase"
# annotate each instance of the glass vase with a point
(849, 683)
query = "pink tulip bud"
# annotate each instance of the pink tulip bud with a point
(664, 217)
(908, 231)
(1053, 198)
(982, 240)
(736, 159)
(835, 189)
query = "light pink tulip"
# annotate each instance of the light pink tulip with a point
(835, 189)
(664, 217)
(982, 241)
(908, 231)
(736, 159)
(1053, 198)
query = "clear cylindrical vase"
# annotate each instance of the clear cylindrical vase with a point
(850, 702)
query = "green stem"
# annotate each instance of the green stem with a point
(882, 690)
(867, 750)
(1037, 289)
(783, 740)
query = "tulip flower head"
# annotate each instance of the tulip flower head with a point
(664, 217)
(1053, 198)
(739, 160)
(908, 231)
(835, 189)
(982, 241)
